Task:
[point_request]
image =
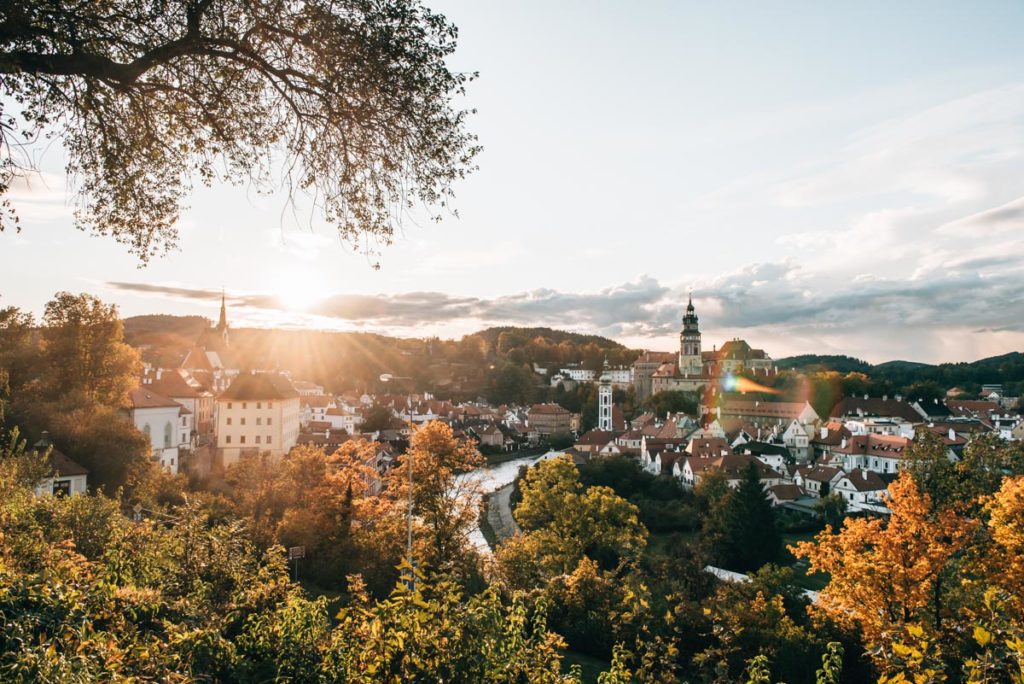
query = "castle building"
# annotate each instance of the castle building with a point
(690, 361)
(693, 369)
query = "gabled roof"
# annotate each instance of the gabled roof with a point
(789, 410)
(143, 398)
(786, 492)
(595, 438)
(708, 447)
(874, 445)
(852, 407)
(732, 465)
(822, 473)
(175, 383)
(864, 480)
(259, 386)
(61, 464)
(316, 400)
(548, 409)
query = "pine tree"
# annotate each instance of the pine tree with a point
(740, 532)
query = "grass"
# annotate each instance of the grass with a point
(814, 582)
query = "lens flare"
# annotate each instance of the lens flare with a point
(734, 383)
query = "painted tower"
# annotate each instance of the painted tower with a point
(604, 401)
(690, 362)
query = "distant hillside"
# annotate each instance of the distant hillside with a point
(466, 368)
(818, 362)
(491, 335)
(161, 324)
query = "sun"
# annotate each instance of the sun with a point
(297, 292)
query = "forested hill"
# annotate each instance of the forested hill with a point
(1005, 368)
(341, 361)
(552, 336)
(818, 362)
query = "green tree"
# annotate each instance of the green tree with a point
(85, 357)
(377, 418)
(832, 509)
(672, 401)
(740, 532)
(354, 99)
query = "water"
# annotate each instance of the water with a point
(491, 477)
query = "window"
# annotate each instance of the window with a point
(259, 421)
(229, 420)
(62, 487)
(241, 439)
(243, 421)
(183, 423)
(257, 439)
(270, 404)
(270, 421)
(259, 404)
(243, 405)
(168, 435)
(227, 439)
(269, 439)
(229, 404)
(146, 430)
(172, 462)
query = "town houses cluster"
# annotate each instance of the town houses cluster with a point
(207, 414)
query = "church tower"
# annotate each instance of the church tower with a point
(690, 362)
(604, 401)
(222, 324)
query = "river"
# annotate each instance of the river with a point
(491, 477)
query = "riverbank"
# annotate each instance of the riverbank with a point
(499, 514)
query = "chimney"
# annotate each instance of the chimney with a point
(824, 432)
(885, 397)
(952, 434)
(899, 397)
(843, 445)
(865, 397)
(159, 373)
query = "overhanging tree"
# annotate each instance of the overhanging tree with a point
(352, 101)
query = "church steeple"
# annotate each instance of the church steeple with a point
(222, 324)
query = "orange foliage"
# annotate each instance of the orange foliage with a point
(885, 574)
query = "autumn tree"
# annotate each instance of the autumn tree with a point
(353, 101)
(887, 575)
(445, 505)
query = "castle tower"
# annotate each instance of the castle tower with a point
(604, 402)
(690, 362)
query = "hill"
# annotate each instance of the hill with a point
(821, 362)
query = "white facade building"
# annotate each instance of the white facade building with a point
(166, 423)
(257, 414)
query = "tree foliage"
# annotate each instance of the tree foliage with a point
(353, 101)
(740, 531)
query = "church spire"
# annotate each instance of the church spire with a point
(222, 324)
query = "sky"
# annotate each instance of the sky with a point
(834, 178)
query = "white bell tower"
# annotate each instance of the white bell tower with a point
(604, 402)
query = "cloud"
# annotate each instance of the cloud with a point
(946, 152)
(640, 307)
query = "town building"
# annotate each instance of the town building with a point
(166, 423)
(550, 419)
(67, 477)
(257, 414)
